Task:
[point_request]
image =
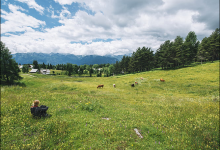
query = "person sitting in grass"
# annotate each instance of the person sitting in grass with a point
(39, 111)
(35, 103)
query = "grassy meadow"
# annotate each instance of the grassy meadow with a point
(180, 113)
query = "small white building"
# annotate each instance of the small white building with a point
(33, 71)
(44, 71)
(20, 66)
(97, 69)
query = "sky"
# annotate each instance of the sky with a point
(102, 27)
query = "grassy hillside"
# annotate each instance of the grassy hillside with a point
(180, 113)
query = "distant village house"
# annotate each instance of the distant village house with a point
(44, 71)
(33, 71)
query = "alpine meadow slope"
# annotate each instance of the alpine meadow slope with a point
(180, 113)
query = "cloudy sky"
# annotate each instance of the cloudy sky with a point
(101, 27)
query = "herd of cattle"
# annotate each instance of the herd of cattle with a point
(132, 85)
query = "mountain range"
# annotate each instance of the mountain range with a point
(58, 58)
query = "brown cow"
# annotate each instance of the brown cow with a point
(132, 85)
(162, 80)
(136, 82)
(99, 86)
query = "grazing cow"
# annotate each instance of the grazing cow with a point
(99, 86)
(136, 82)
(132, 85)
(141, 78)
(162, 80)
(114, 85)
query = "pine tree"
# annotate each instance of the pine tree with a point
(117, 68)
(9, 67)
(138, 58)
(36, 65)
(203, 50)
(190, 48)
(165, 54)
(90, 70)
(132, 63)
(69, 69)
(44, 66)
(123, 64)
(214, 44)
(177, 45)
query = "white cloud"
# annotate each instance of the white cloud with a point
(33, 4)
(136, 23)
(16, 21)
(64, 14)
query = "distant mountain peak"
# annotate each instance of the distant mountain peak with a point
(63, 58)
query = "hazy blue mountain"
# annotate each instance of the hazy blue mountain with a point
(57, 58)
(95, 59)
(119, 57)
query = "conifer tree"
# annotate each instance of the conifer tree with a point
(131, 63)
(190, 48)
(44, 66)
(35, 64)
(9, 67)
(214, 45)
(69, 69)
(177, 45)
(203, 50)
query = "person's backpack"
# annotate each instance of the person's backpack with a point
(39, 111)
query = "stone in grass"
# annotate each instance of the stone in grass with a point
(106, 118)
(138, 133)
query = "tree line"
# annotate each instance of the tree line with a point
(73, 69)
(170, 54)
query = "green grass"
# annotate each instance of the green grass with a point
(180, 113)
